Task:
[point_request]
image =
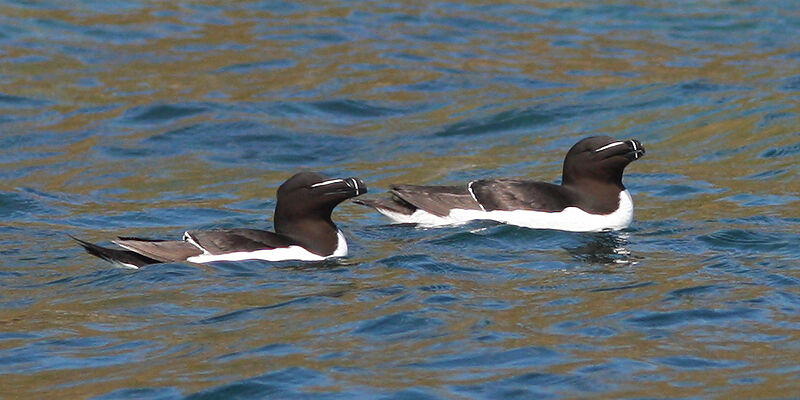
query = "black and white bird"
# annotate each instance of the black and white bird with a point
(304, 231)
(591, 196)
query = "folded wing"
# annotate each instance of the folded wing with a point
(161, 250)
(514, 194)
(222, 241)
(437, 200)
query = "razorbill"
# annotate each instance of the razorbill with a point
(303, 231)
(591, 196)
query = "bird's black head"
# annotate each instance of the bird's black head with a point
(313, 195)
(600, 159)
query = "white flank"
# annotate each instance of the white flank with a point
(570, 219)
(610, 145)
(421, 217)
(328, 182)
(278, 254)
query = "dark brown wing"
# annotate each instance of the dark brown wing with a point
(513, 194)
(161, 250)
(221, 241)
(437, 200)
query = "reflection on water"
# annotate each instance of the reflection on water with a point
(604, 248)
(147, 118)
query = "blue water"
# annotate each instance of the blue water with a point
(147, 118)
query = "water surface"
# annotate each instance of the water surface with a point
(147, 118)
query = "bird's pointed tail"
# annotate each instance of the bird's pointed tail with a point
(124, 258)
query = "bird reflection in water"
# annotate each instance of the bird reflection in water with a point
(604, 248)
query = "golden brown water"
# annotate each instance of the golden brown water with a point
(143, 118)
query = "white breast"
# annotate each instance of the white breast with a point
(341, 246)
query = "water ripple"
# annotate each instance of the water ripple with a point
(750, 241)
(519, 357)
(146, 118)
(402, 325)
(691, 363)
(161, 113)
(286, 383)
(692, 317)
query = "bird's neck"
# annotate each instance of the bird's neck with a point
(318, 235)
